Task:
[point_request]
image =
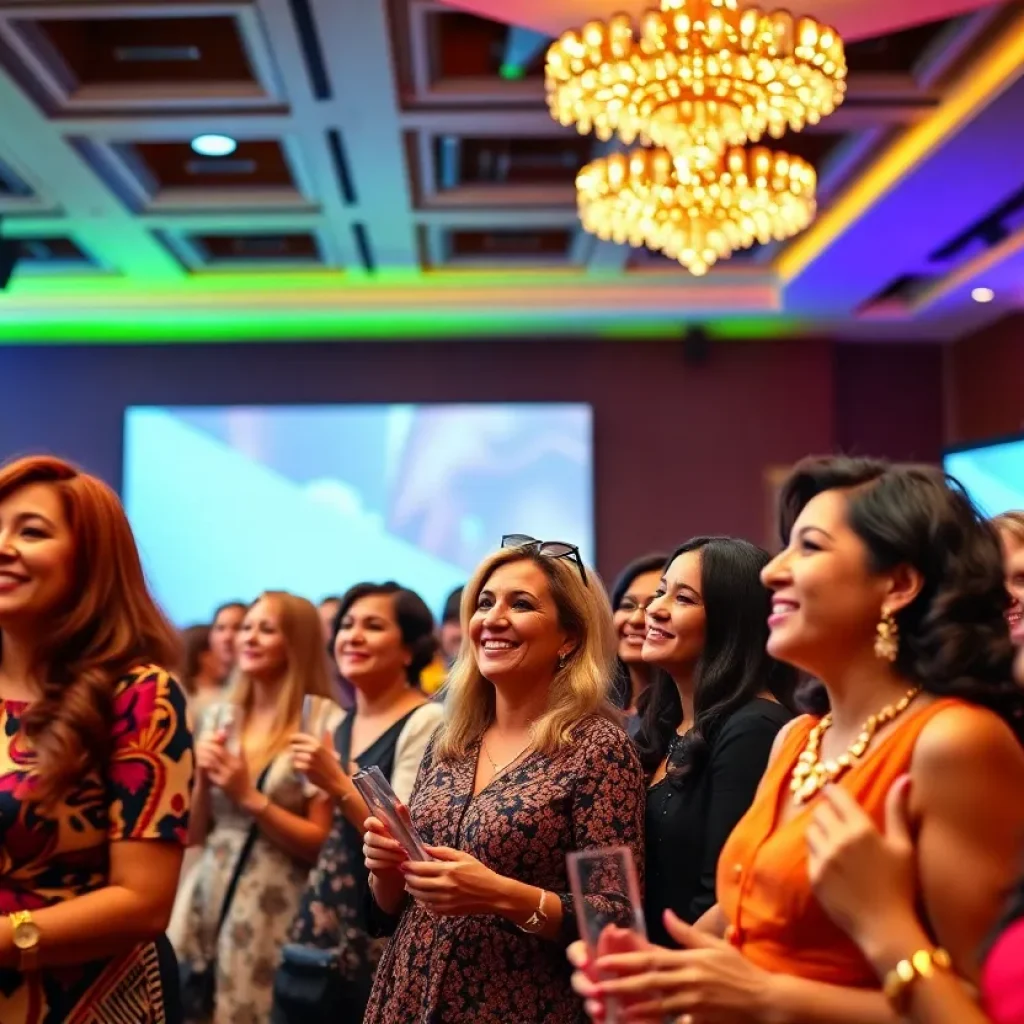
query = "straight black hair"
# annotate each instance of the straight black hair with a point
(734, 665)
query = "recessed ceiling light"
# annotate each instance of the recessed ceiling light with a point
(982, 294)
(214, 145)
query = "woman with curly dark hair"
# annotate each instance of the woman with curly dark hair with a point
(709, 719)
(891, 592)
(95, 759)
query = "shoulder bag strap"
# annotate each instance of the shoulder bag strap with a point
(243, 857)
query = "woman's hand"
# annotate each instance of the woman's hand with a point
(454, 883)
(708, 980)
(866, 882)
(320, 763)
(585, 980)
(384, 857)
(227, 771)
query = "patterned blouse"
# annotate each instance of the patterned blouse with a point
(482, 969)
(54, 854)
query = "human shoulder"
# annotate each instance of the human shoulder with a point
(148, 682)
(598, 742)
(759, 715)
(962, 737)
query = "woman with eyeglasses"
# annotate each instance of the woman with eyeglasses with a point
(630, 595)
(709, 721)
(528, 766)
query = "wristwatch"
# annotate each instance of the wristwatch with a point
(534, 924)
(26, 939)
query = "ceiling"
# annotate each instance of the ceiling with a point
(398, 175)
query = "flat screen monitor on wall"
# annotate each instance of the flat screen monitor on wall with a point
(993, 473)
(228, 501)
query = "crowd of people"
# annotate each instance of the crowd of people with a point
(814, 760)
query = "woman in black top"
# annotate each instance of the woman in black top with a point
(708, 721)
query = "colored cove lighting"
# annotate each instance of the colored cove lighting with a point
(214, 145)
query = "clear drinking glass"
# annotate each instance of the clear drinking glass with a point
(606, 891)
(229, 724)
(307, 717)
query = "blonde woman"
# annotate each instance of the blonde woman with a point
(528, 766)
(1011, 534)
(261, 825)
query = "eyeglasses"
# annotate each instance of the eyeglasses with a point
(547, 548)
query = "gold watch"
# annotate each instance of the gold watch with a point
(26, 939)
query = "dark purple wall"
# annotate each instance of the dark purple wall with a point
(679, 449)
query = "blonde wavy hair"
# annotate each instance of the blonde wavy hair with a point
(307, 672)
(1011, 523)
(581, 688)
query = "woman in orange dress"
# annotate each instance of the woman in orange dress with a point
(891, 592)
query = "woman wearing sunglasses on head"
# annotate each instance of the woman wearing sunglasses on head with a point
(891, 592)
(528, 766)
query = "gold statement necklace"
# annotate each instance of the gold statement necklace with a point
(811, 773)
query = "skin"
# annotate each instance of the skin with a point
(516, 638)
(1013, 554)
(328, 611)
(36, 579)
(631, 626)
(963, 808)
(450, 639)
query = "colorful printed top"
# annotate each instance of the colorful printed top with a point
(52, 854)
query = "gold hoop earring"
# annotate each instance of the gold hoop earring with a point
(887, 640)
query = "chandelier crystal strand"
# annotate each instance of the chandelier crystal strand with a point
(696, 74)
(697, 212)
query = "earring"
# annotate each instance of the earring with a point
(562, 659)
(887, 640)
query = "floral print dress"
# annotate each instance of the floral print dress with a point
(482, 969)
(248, 949)
(49, 855)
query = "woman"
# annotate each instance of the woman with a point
(866, 882)
(202, 676)
(891, 593)
(1011, 534)
(630, 595)
(384, 640)
(709, 721)
(527, 767)
(227, 621)
(260, 824)
(96, 759)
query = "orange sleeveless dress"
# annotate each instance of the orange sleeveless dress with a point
(762, 884)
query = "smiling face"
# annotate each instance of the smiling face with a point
(826, 603)
(629, 616)
(224, 636)
(1013, 557)
(369, 646)
(36, 554)
(262, 648)
(675, 618)
(515, 631)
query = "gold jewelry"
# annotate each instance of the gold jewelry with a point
(922, 964)
(887, 641)
(811, 773)
(25, 935)
(494, 766)
(534, 924)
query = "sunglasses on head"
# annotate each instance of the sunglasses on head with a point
(547, 548)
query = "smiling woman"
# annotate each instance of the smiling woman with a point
(95, 759)
(530, 764)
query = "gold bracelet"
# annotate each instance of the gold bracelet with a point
(922, 964)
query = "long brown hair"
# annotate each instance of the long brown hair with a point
(107, 625)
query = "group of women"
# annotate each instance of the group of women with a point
(848, 866)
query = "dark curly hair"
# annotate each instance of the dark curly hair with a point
(734, 665)
(415, 622)
(954, 639)
(622, 689)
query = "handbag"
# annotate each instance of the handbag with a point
(199, 984)
(310, 988)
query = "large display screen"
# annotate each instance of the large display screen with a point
(993, 474)
(229, 501)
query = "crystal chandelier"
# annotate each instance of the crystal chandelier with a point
(698, 73)
(696, 214)
(698, 79)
